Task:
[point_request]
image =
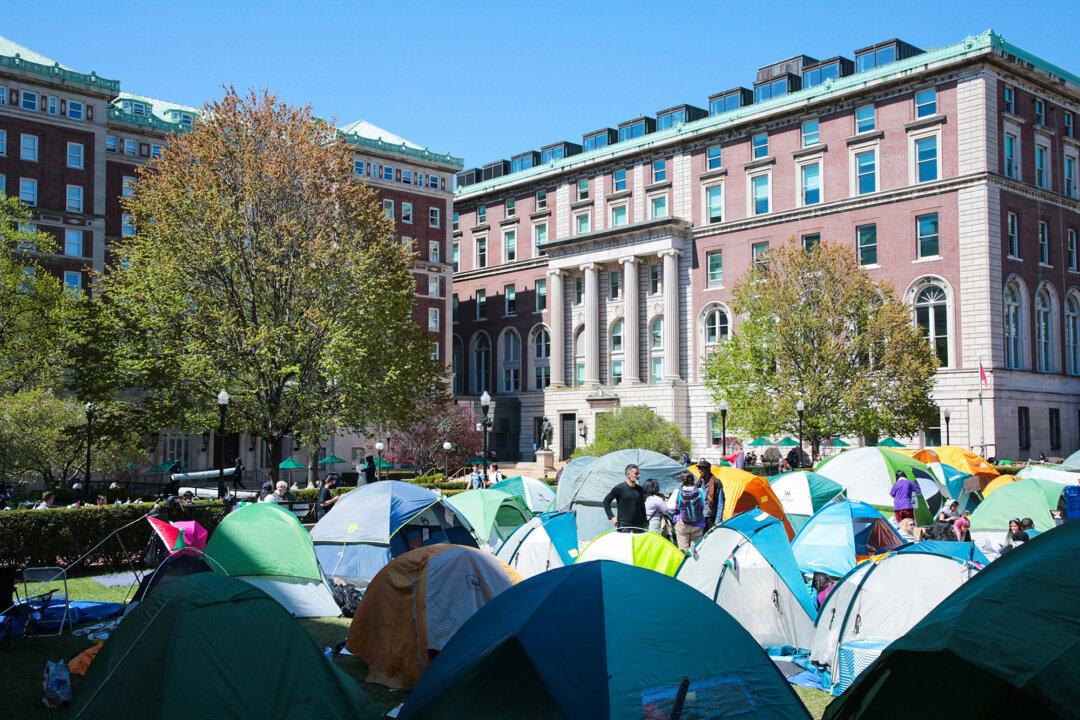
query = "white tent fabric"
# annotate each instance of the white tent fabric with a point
(880, 601)
(530, 550)
(793, 492)
(1053, 474)
(539, 496)
(300, 596)
(459, 582)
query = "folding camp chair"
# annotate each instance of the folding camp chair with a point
(34, 578)
(26, 614)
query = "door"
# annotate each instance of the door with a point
(567, 435)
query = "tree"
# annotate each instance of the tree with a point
(262, 265)
(635, 426)
(814, 326)
(420, 444)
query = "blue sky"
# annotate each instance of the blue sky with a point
(484, 80)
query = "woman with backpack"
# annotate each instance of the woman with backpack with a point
(688, 506)
(656, 508)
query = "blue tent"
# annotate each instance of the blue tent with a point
(374, 523)
(839, 534)
(547, 541)
(962, 551)
(585, 490)
(581, 642)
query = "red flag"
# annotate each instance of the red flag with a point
(982, 375)
(173, 537)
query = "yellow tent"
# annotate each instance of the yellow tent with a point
(961, 459)
(996, 483)
(744, 491)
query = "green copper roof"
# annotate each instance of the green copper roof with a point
(405, 148)
(17, 58)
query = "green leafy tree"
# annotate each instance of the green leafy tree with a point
(814, 326)
(635, 426)
(264, 266)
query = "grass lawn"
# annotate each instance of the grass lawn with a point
(22, 666)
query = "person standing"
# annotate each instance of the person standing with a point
(630, 499)
(370, 475)
(656, 507)
(496, 474)
(238, 475)
(326, 498)
(688, 505)
(714, 494)
(903, 493)
(476, 478)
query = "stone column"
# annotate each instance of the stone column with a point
(671, 314)
(630, 320)
(557, 309)
(591, 331)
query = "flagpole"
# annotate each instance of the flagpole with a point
(982, 415)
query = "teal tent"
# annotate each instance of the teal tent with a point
(211, 646)
(1008, 640)
(573, 643)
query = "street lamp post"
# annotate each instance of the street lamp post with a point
(379, 447)
(948, 416)
(89, 438)
(723, 425)
(800, 407)
(485, 408)
(223, 409)
(446, 459)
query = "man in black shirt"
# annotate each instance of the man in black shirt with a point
(325, 500)
(630, 498)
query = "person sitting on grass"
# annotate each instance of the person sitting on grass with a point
(908, 531)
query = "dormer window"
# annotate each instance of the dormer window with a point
(883, 53)
(186, 119)
(730, 100)
(826, 70)
(775, 88)
(599, 139)
(139, 109)
(636, 128)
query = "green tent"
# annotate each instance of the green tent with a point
(759, 442)
(867, 474)
(1031, 498)
(890, 442)
(493, 514)
(210, 646)
(641, 549)
(802, 493)
(1008, 641)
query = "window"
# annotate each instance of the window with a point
(455, 307)
(714, 260)
(1070, 176)
(1011, 168)
(759, 194)
(579, 290)
(616, 347)
(481, 363)
(926, 103)
(434, 251)
(659, 171)
(1042, 175)
(3, 143)
(658, 206)
(926, 156)
(73, 281)
(1067, 123)
(1012, 228)
(28, 191)
(865, 119)
(433, 285)
(511, 208)
(127, 225)
(74, 198)
(582, 189)
(434, 217)
(759, 146)
(75, 155)
(1044, 357)
(867, 244)
(3, 185)
(541, 359)
(1023, 426)
(618, 215)
(875, 57)
(1014, 356)
(481, 252)
(481, 215)
(455, 256)
(110, 143)
(406, 213)
(28, 147)
(539, 235)
(926, 235)
(406, 177)
(581, 223)
(1055, 429)
(127, 187)
(155, 151)
(714, 203)
(73, 242)
(760, 255)
(1040, 112)
(52, 106)
(811, 132)
(29, 100)
(131, 148)
(716, 327)
(481, 305)
(541, 295)
(75, 110)
(713, 158)
(358, 167)
(387, 172)
(618, 181)
(1071, 249)
(541, 200)
(811, 183)
(1009, 99)
(407, 243)
(509, 300)
(932, 318)
(656, 350)
(866, 171)
(617, 336)
(655, 283)
(811, 241)
(456, 220)
(1044, 243)
(510, 246)
(433, 319)
(388, 208)
(1072, 334)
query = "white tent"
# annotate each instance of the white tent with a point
(545, 542)
(538, 495)
(1052, 473)
(867, 474)
(876, 603)
(300, 596)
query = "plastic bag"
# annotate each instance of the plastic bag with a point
(56, 684)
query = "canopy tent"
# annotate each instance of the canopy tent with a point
(1010, 639)
(168, 571)
(760, 442)
(1072, 463)
(165, 466)
(1029, 498)
(802, 493)
(867, 474)
(838, 443)
(998, 482)
(841, 535)
(547, 541)
(210, 646)
(878, 602)
(331, 460)
(291, 464)
(265, 545)
(745, 491)
(492, 514)
(374, 523)
(788, 442)
(641, 549)
(538, 495)
(584, 490)
(416, 604)
(890, 442)
(573, 643)
(746, 567)
(1053, 473)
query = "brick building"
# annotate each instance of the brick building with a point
(597, 274)
(70, 145)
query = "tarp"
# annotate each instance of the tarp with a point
(802, 493)
(1009, 639)
(840, 535)
(578, 642)
(210, 646)
(641, 549)
(745, 491)
(492, 514)
(416, 604)
(867, 474)
(746, 567)
(538, 495)
(547, 541)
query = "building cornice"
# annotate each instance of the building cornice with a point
(500, 269)
(423, 156)
(59, 76)
(673, 224)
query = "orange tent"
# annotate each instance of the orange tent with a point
(744, 491)
(961, 459)
(996, 483)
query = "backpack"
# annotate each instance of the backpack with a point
(693, 508)
(347, 597)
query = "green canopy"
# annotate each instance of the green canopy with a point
(263, 539)
(291, 464)
(837, 442)
(1008, 640)
(890, 442)
(1030, 497)
(331, 460)
(164, 467)
(241, 651)
(475, 461)
(493, 514)
(383, 464)
(759, 442)
(788, 442)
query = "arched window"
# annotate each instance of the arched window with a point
(931, 316)
(1072, 334)
(541, 358)
(511, 361)
(1014, 348)
(481, 363)
(1044, 332)
(656, 349)
(459, 367)
(615, 350)
(717, 327)
(579, 357)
